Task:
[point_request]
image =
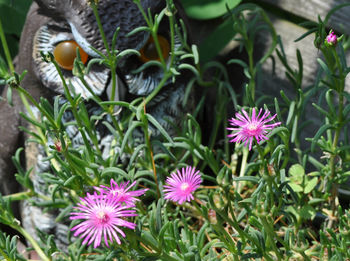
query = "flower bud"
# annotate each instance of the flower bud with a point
(58, 146)
(331, 39)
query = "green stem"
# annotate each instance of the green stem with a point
(226, 144)
(339, 125)
(271, 235)
(78, 170)
(341, 81)
(148, 21)
(112, 59)
(154, 33)
(114, 82)
(261, 155)
(197, 210)
(250, 49)
(158, 88)
(32, 241)
(106, 109)
(243, 168)
(4, 255)
(244, 235)
(252, 74)
(6, 49)
(161, 254)
(19, 196)
(172, 38)
(332, 163)
(112, 65)
(100, 27)
(159, 49)
(34, 102)
(25, 96)
(74, 109)
(232, 221)
(149, 148)
(266, 176)
(22, 92)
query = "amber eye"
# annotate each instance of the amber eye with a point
(149, 51)
(65, 53)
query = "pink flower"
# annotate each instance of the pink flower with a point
(103, 216)
(246, 128)
(121, 192)
(182, 184)
(331, 39)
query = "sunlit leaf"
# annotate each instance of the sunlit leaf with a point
(310, 185)
(216, 41)
(207, 9)
(296, 172)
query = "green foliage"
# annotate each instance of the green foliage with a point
(8, 247)
(13, 14)
(263, 204)
(299, 182)
(207, 9)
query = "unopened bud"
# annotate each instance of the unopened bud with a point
(331, 39)
(58, 146)
(16, 221)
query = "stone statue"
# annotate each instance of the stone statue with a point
(56, 26)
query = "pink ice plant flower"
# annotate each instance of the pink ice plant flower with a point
(246, 128)
(103, 216)
(182, 184)
(122, 192)
(331, 39)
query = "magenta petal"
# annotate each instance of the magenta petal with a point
(181, 185)
(102, 216)
(247, 128)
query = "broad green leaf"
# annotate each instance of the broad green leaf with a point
(315, 201)
(310, 185)
(12, 42)
(13, 16)
(4, 74)
(246, 178)
(216, 41)
(307, 212)
(128, 134)
(293, 211)
(296, 187)
(296, 173)
(114, 172)
(207, 9)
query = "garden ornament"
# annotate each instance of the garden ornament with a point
(58, 27)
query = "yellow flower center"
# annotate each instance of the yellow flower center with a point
(252, 126)
(117, 192)
(102, 216)
(252, 129)
(184, 186)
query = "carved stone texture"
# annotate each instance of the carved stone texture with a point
(274, 82)
(311, 9)
(10, 139)
(50, 22)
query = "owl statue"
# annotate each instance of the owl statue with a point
(59, 27)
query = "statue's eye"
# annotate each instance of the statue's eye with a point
(149, 51)
(65, 53)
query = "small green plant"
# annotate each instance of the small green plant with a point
(248, 191)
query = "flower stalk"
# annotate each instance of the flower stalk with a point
(32, 241)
